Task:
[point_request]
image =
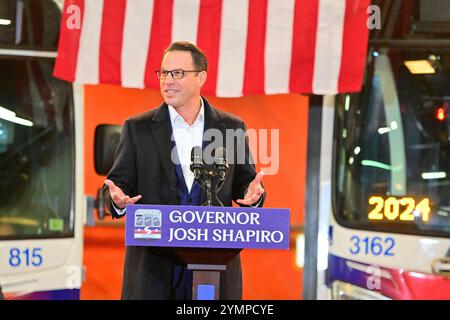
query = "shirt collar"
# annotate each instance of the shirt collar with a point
(175, 117)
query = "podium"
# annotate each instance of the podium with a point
(207, 238)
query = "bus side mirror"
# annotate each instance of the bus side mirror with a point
(107, 138)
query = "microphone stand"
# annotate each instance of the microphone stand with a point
(203, 174)
(205, 182)
(208, 192)
(219, 186)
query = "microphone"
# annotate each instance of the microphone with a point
(197, 161)
(220, 162)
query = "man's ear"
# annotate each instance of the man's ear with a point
(202, 77)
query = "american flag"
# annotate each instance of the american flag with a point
(252, 46)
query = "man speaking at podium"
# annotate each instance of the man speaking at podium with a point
(144, 172)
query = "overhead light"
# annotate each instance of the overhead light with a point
(347, 102)
(419, 67)
(6, 114)
(21, 121)
(357, 150)
(300, 250)
(9, 115)
(434, 175)
(376, 164)
(5, 22)
(383, 130)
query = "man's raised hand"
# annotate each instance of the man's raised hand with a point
(119, 198)
(254, 191)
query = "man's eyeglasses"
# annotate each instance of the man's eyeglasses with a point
(176, 74)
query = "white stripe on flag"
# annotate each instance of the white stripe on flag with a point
(136, 39)
(89, 50)
(327, 61)
(185, 20)
(280, 20)
(233, 42)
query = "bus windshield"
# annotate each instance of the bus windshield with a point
(392, 145)
(36, 151)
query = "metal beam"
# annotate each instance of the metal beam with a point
(312, 198)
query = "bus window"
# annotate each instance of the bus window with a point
(30, 24)
(392, 151)
(36, 151)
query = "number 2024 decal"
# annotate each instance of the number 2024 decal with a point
(403, 209)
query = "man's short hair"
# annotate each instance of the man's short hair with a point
(198, 56)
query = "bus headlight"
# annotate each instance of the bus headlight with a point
(346, 291)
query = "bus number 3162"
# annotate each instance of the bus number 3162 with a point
(372, 245)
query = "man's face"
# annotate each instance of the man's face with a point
(185, 91)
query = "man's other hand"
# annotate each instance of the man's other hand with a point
(119, 198)
(254, 191)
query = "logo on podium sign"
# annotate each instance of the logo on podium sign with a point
(147, 224)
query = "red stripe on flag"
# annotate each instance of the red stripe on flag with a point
(69, 40)
(354, 46)
(208, 39)
(160, 39)
(256, 45)
(303, 46)
(111, 41)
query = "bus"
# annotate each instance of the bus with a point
(42, 206)
(389, 228)
(377, 222)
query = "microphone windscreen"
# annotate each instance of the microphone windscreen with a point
(196, 154)
(221, 155)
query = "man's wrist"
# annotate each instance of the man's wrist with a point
(119, 211)
(257, 203)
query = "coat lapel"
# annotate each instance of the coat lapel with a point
(212, 118)
(161, 131)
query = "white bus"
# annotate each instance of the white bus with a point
(42, 207)
(389, 232)
(378, 189)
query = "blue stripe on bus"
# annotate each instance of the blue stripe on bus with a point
(339, 270)
(66, 294)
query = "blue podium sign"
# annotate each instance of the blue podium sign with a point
(207, 227)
